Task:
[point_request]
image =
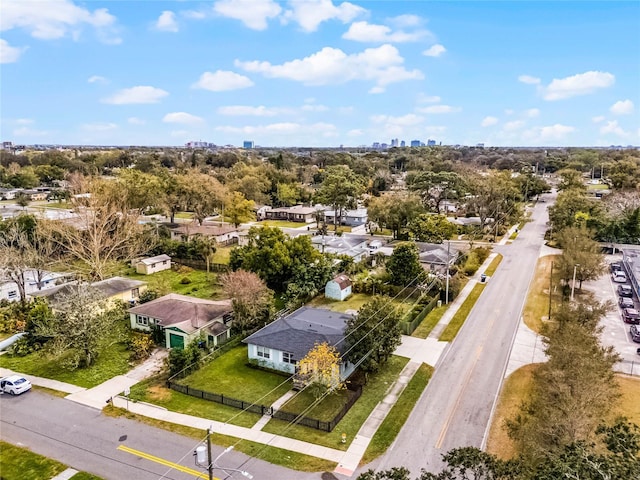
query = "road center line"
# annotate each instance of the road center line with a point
(164, 462)
(467, 378)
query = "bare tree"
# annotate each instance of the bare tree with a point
(103, 231)
(251, 299)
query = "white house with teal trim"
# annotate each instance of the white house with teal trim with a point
(182, 319)
(284, 342)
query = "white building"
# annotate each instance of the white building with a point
(9, 289)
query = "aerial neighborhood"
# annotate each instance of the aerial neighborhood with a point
(332, 300)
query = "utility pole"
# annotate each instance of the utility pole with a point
(446, 294)
(550, 289)
(573, 284)
(210, 464)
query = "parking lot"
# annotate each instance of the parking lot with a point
(615, 331)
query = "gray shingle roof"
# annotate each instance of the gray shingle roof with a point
(109, 287)
(298, 332)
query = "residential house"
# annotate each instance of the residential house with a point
(113, 289)
(181, 319)
(9, 289)
(351, 218)
(292, 214)
(354, 246)
(222, 234)
(9, 193)
(284, 342)
(36, 195)
(435, 257)
(147, 266)
(338, 288)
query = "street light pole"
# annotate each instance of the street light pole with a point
(446, 294)
(573, 284)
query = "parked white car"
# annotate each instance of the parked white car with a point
(14, 385)
(619, 277)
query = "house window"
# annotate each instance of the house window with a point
(12, 294)
(135, 292)
(142, 320)
(263, 352)
(164, 262)
(288, 358)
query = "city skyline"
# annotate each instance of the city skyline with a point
(319, 73)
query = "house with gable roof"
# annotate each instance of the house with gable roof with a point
(287, 340)
(181, 319)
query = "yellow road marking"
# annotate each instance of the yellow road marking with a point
(164, 462)
(445, 427)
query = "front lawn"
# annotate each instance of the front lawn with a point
(222, 255)
(325, 411)
(112, 362)
(354, 302)
(281, 224)
(194, 283)
(155, 391)
(350, 424)
(230, 375)
(461, 315)
(22, 464)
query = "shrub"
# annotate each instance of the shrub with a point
(471, 266)
(185, 281)
(141, 345)
(482, 253)
(148, 295)
(22, 347)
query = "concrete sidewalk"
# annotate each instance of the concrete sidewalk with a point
(45, 382)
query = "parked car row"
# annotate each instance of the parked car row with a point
(630, 314)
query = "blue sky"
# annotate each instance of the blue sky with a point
(320, 72)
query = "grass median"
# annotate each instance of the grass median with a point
(397, 416)
(461, 315)
(493, 266)
(429, 322)
(536, 308)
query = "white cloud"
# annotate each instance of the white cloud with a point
(508, 111)
(488, 121)
(435, 130)
(548, 133)
(245, 110)
(222, 80)
(532, 113)
(136, 95)
(24, 121)
(167, 22)
(367, 32)
(597, 119)
(404, 120)
(182, 117)
(313, 107)
(56, 19)
(422, 98)
(406, 20)
(511, 126)
(9, 54)
(622, 107)
(356, 132)
(135, 121)
(434, 50)
(283, 128)
(97, 79)
(437, 109)
(184, 134)
(309, 14)
(29, 132)
(99, 127)
(529, 80)
(612, 127)
(580, 84)
(255, 14)
(331, 66)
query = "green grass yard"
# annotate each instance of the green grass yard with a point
(112, 362)
(429, 322)
(493, 266)
(22, 464)
(354, 302)
(281, 224)
(350, 424)
(198, 284)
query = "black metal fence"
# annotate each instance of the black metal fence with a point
(355, 391)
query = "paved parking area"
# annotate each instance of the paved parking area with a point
(615, 332)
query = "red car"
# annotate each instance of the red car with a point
(631, 315)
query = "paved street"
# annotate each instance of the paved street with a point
(456, 407)
(84, 439)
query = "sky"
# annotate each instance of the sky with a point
(320, 73)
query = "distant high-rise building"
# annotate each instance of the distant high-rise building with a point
(7, 145)
(376, 145)
(431, 143)
(394, 142)
(415, 143)
(248, 144)
(403, 143)
(199, 144)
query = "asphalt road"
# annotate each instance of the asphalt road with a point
(84, 439)
(455, 409)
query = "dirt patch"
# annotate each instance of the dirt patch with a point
(158, 393)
